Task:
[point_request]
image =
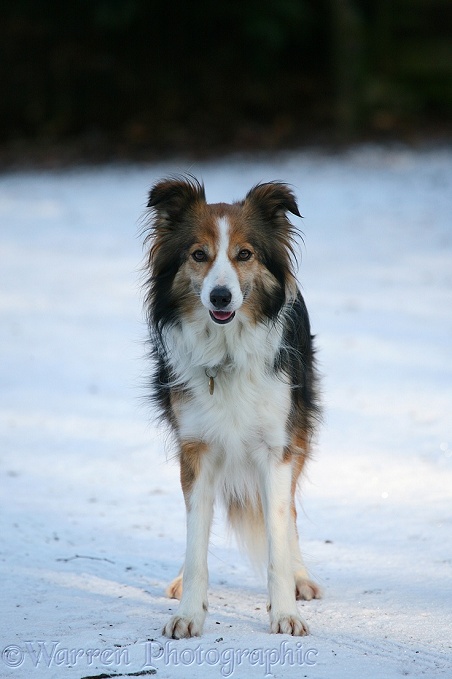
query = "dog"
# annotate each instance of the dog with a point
(235, 379)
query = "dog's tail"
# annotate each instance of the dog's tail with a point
(247, 521)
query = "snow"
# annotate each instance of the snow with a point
(93, 527)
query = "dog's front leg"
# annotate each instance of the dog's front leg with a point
(276, 494)
(198, 487)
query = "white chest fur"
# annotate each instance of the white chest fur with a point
(244, 420)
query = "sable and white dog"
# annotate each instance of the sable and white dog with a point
(235, 380)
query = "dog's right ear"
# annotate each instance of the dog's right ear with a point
(171, 197)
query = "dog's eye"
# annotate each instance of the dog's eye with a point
(244, 255)
(199, 256)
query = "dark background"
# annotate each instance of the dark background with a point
(103, 79)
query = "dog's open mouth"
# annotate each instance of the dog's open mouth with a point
(222, 316)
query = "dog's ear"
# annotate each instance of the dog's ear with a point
(171, 197)
(273, 199)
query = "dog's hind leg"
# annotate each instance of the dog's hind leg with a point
(174, 589)
(305, 588)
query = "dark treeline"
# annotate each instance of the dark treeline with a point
(193, 75)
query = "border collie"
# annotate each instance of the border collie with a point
(235, 380)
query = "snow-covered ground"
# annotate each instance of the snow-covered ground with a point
(92, 523)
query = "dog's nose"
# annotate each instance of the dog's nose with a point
(220, 297)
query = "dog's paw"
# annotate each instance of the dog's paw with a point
(307, 589)
(184, 626)
(289, 624)
(174, 589)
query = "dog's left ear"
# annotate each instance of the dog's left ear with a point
(273, 199)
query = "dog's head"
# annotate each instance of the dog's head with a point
(234, 259)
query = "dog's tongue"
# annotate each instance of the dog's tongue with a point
(222, 315)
